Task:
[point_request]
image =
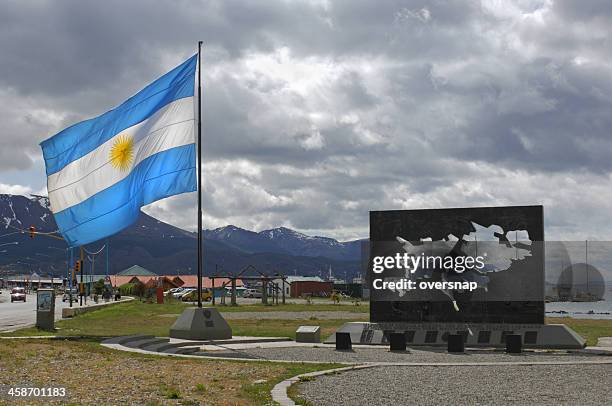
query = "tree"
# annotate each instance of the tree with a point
(98, 287)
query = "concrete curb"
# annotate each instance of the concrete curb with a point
(165, 354)
(279, 392)
(69, 312)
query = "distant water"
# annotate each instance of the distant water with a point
(580, 310)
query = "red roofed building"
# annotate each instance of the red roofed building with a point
(118, 280)
(191, 281)
(166, 283)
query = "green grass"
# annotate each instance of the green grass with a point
(169, 392)
(169, 380)
(294, 393)
(297, 307)
(260, 393)
(281, 328)
(590, 329)
(145, 318)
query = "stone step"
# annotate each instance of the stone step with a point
(153, 345)
(183, 350)
(145, 342)
(164, 347)
(123, 340)
(247, 340)
(224, 354)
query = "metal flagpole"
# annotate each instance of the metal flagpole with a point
(71, 274)
(199, 176)
(107, 248)
(81, 286)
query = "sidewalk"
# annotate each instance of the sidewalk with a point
(68, 312)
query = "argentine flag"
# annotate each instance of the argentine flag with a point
(101, 171)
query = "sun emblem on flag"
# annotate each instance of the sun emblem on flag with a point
(122, 152)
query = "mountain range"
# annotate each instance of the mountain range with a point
(165, 249)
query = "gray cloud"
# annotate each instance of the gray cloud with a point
(317, 112)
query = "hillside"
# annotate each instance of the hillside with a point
(166, 249)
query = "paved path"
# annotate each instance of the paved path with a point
(604, 342)
(326, 353)
(17, 315)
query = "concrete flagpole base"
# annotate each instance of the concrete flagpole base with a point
(201, 324)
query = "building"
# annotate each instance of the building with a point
(164, 282)
(288, 281)
(299, 286)
(136, 270)
(32, 281)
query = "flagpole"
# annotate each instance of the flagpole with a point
(199, 177)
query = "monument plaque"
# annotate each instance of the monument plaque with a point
(308, 334)
(508, 239)
(477, 272)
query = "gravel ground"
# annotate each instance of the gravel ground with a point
(473, 385)
(384, 355)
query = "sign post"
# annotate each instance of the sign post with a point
(45, 309)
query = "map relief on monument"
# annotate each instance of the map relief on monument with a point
(499, 248)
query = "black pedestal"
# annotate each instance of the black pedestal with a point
(397, 341)
(343, 342)
(456, 343)
(514, 344)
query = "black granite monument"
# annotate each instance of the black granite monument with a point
(474, 272)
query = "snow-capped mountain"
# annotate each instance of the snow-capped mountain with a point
(18, 212)
(166, 249)
(284, 240)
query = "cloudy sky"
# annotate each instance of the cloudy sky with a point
(316, 112)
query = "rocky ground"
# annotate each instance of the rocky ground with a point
(458, 385)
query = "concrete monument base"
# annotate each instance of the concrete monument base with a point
(201, 324)
(554, 336)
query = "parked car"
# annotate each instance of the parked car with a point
(256, 293)
(182, 292)
(171, 291)
(18, 294)
(66, 296)
(192, 296)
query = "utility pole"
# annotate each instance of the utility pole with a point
(81, 286)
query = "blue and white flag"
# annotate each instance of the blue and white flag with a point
(101, 171)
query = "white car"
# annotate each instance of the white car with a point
(177, 295)
(18, 294)
(66, 296)
(255, 293)
(171, 291)
(176, 292)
